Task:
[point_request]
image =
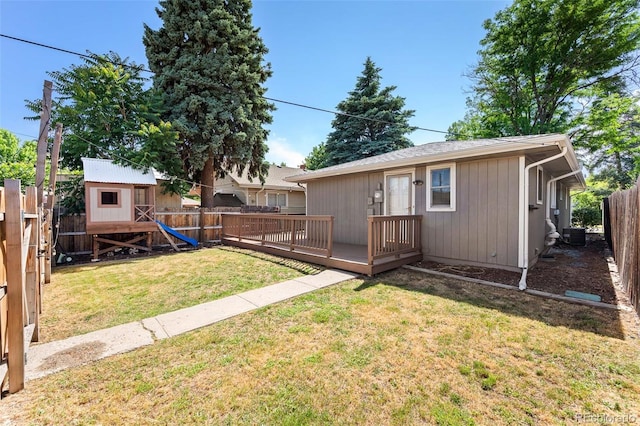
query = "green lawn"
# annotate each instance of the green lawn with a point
(402, 348)
(93, 296)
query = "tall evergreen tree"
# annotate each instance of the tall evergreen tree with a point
(208, 61)
(374, 121)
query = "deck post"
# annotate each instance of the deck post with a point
(293, 235)
(263, 225)
(396, 230)
(330, 238)
(370, 240)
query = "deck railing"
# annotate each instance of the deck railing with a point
(392, 236)
(144, 212)
(302, 233)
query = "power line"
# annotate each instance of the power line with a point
(502, 139)
(71, 52)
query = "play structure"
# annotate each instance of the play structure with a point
(170, 231)
(120, 208)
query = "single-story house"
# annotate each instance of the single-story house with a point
(276, 192)
(490, 202)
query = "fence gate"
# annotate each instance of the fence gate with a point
(21, 275)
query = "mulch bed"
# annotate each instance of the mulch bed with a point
(582, 269)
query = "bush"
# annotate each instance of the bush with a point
(586, 217)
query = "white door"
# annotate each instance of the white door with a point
(399, 200)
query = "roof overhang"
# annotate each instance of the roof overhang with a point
(544, 145)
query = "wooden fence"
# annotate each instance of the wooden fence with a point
(203, 225)
(22, 272)
(624, 222)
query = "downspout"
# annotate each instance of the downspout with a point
(525, 206)
(553, 235)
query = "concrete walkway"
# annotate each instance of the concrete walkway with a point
(49, 358)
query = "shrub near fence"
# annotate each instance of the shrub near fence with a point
(203, 225)
(624, 218)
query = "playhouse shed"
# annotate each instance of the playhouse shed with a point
(118, 199)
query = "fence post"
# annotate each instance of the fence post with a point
(15, 322)
(201, 233)
(32, 274)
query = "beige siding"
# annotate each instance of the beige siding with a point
(536, 212)
(121, 213)
(564, 206)
(227, 185)
(484, 227)
(167, 201)
(345, 198)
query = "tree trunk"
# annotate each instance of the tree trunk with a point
(206, 188)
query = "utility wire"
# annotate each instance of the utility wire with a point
(140, 68)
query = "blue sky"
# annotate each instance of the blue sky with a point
(316, 50)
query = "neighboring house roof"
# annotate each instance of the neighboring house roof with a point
(274, 180)
(445, 151)
(106, 171)
(189, 202)
(226, 200)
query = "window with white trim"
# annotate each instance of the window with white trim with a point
(441, 187)
(275, 199)
(539, 185)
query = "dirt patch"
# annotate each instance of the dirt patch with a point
(74, 356)
(584, 269)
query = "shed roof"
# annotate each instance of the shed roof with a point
(106, 171)
(444, 151)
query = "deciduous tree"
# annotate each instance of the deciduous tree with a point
(17, 161)
(538, 55)
(107, 113)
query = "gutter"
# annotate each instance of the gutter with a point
(504, 146)
(524, 262)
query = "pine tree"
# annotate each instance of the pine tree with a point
(373, 123)
(208, 62)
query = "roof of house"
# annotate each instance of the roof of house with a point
(274, 180)
(444, 151)
(226, 200)
(106, 171)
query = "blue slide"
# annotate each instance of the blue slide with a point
(178, 235)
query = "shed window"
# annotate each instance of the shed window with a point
(539, 186)
(441, 188)
(276, 200)
(109, 198)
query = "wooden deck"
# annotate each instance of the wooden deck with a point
(393, 240)
(347, 257)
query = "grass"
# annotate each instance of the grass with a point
(93, 296)
(403, 348)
